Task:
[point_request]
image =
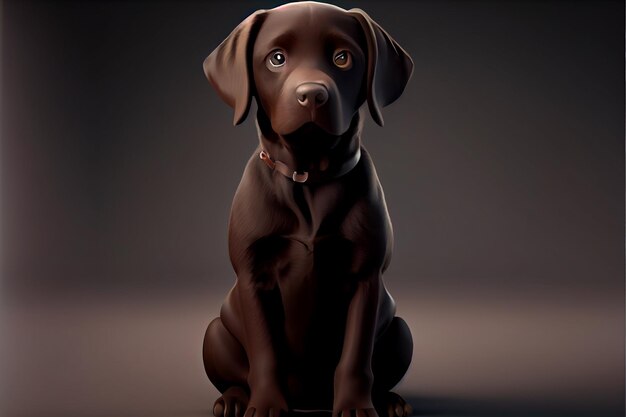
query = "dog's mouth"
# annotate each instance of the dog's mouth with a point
(311, 135)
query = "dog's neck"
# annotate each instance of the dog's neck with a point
(305, 154)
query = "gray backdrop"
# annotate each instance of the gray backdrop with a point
(502, 165)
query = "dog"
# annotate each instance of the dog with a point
(309, 324)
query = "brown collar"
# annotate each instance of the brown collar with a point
(302, 177)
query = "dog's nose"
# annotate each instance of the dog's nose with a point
(311, 95)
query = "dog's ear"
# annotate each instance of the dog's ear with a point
(389, 67)
(229, 67)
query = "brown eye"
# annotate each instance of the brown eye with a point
(343, 59)
(277, 58)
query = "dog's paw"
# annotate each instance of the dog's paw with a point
(355, 412)
(392, 405)
(267, 404)
(266, 412)
(232, 403)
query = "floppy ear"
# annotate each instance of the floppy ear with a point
(229, 67)
(389, 67)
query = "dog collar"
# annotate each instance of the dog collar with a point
(302, 177)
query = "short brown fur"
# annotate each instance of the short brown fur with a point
(309, 323)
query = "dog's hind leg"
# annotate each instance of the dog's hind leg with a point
(226, 365)
(391, 359)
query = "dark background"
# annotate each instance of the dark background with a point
(503, 170)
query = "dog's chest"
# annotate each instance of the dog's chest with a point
(308, 260)
(312, 250)
(315, 285)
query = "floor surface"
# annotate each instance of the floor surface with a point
(93, 354)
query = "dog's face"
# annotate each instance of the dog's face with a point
(309, 63)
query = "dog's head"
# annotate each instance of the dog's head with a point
(309, 63)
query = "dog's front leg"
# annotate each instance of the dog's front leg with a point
(266, 397)
(353, 375)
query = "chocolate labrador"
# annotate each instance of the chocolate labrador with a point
(309, 324)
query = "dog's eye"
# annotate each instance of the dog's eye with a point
(343, 59)
(277, 58)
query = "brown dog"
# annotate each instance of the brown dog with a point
(308, 323)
